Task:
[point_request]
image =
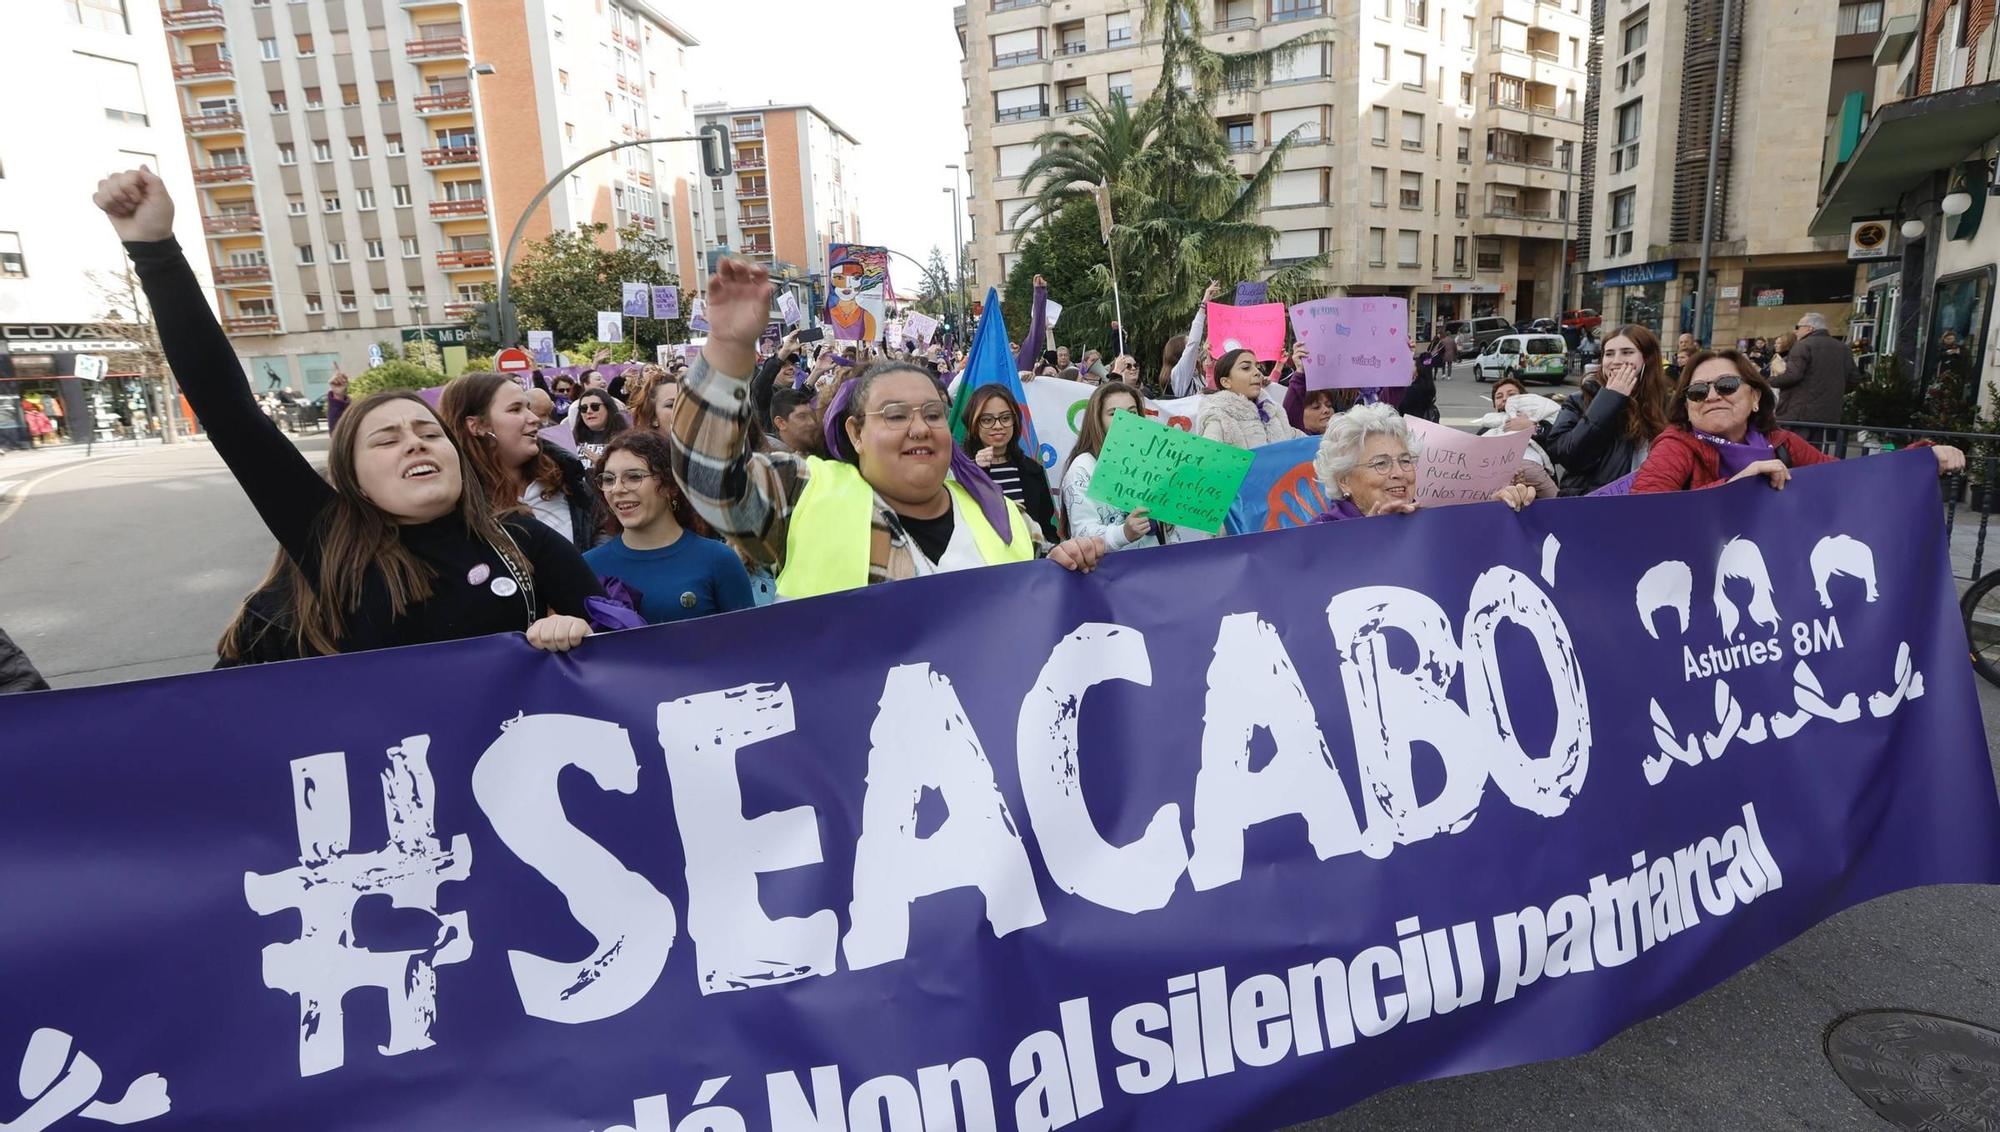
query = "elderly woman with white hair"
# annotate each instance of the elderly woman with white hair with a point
(1367, 460)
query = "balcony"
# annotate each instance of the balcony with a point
(754, 220)
(443, 156)
(232, 224)
(1235, 23)
(742, 132)
(752, 190)
(1242, 145)
(1010, 5)
(222, 174)
(1073, 47)
(1075, 105)
(457, 209)
(458, 312)
(1022, 113)
(214, 122)
(640, 177)
(756, 249)
(255, 273)
(435, 47)
(442, 102)
(750, 163)
(465, 259)
(1516, 212)
(250, 324)
(198, 69)
(191, 16)
(649, 223)
(1017, 58)
(1283, 15)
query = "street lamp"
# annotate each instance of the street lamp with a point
(1913, 229)
(957, 256)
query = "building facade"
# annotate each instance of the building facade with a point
(790, 196)
(90, 92)
(1435, 145)
(359, 164)
(1790, 89)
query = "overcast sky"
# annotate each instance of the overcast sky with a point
(886, 70)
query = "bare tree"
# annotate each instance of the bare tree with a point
(128, 318)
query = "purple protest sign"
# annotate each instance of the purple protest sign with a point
(637, 300)
(1252, 294)
(666, 301)
(1355, 343)
(1259, 329)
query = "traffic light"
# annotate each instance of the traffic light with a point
(486, 320)
(715, 150)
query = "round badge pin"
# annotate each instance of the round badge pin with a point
(687, 601)
(478, 574)
(504, 587)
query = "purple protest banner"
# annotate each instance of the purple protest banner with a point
(1355, 343)
(1259, 329)
(666, 301)
(638, 300)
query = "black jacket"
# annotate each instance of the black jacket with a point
(1036, 498)
(586, 523)
(1590, 444)
(17, 672)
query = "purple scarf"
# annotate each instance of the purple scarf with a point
(969, 475)
(1341, 509)
(1733, 457)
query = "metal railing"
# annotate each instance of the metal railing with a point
(1022, 113)
(1977, 488)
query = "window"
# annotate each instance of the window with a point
(1413, 130)
(364, 199)
(382, 300)
(1409, 253)
(1625, 154)
(1464, 144)
(1622, 205)
(322, 151)
(1014, 159)
(1458, 254)
(350, 94)
(347, 302)
(1118, 29)
(12, 264)
(1378, 187)
(385, 91)
(410, 247)
(1016, 47)
(1465, 88)
(1381, 59)
(315, 304)
(1377, 241)
(400, 195)
(393, 145)
(329, 202)
(1410, 192)
(1491, 258)
(1468, 33)
(1461, 200)
(562, 81)
(1020, 103)
(1314, 62)
(117, 82)
(1241, 135)
(278, 105)
(1413, 70)
(372, 249)
(1632, 36)
(1284, 10)
(286, 154)
(1121, 85)
(1417, 13)
(1306, 120)
(1859, 19)
(418, 297)
(1299, 186)
(305, 44)
(336, 251)
(312, 98)
(306, 254)
(1378, 125)
(267, 49)
(295, 205)
(101, 15)
(357, 147)
(1509, 91)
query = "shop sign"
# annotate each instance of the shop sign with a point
(1639, 274)
(62, 338)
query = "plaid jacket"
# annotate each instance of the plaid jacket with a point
(748, 496)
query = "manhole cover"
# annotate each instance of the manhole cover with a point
(1919, 1071)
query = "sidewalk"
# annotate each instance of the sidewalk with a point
(20, 465)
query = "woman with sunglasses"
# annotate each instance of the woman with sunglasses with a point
(493, 422)
(662, 549)
(993, 440)
(562, 394)
(899, 500)
(593, 423)
(1091, 518)
(1725, 428)
(391, 546)
(1367, 460)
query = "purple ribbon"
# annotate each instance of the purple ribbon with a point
(617, 609)
(1734, 457)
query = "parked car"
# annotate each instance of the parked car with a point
(1582, 320)
(1471, 336)
(1530, 357)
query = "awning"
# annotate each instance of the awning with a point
(1906, 142)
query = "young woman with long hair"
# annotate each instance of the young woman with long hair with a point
(899, 499)
(391, 546)
(492, 422)
(661, 549)
(595, 419)
(1601, 437)
(1236, 413)
(1088, 518)
(993, 440)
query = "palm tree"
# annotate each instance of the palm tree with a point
(1104, 143)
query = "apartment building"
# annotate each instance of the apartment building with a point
(1435, 150)
(1792, 88)
(88, 92)
(790, 195)
(359, 163)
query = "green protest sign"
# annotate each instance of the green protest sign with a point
(1181, 478)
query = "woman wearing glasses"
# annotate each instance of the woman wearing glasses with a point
(1725, 428)
(1367, 460)
(899, 500)
(661, 551)
(993, 440)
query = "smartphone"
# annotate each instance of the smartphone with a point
(812, 334)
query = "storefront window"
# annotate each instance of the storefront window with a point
(1959, 310)
(270, 374)
(1642, 304)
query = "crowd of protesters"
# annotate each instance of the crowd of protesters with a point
(730, 480)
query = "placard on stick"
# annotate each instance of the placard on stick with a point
(1457, 467)
(1183, 479)
(1355, 343)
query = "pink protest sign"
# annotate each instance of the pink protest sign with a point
(1355, 343)
(1259, 329)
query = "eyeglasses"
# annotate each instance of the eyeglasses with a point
(897, 415)
(993, 420)
(631, 478)
(1380, 465)
(1698, 390)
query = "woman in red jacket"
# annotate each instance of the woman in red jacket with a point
(1725, 428)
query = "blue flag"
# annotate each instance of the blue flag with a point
(992, 363)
